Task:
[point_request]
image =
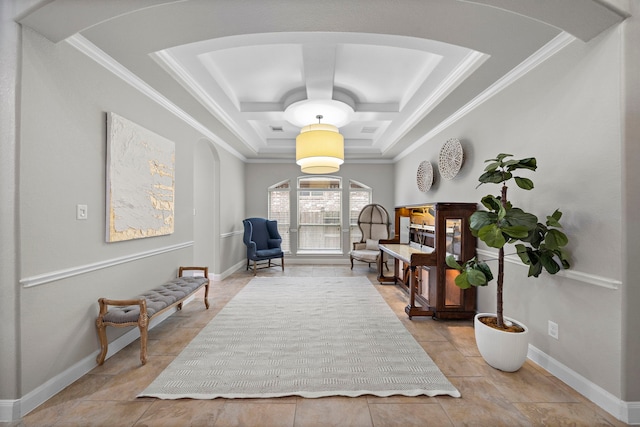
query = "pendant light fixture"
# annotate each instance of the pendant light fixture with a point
(319, 148)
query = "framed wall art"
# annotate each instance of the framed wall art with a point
(140, 181)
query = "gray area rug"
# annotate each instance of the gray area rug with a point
(309, 337)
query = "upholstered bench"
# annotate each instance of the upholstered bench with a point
(140, 310)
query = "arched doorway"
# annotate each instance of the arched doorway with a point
(206, 204)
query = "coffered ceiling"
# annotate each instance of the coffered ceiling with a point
(239, 70)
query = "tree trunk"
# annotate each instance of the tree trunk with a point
(500, 318)
(500, 281)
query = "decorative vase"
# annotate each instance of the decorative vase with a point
(506, 351)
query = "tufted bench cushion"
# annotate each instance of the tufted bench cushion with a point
(141, 309)
(157, 299)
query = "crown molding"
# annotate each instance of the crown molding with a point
(547, 51)
(101, 57)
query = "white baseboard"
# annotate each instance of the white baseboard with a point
(9, 410)
(12, 410)
(628, 412)
(228, 272)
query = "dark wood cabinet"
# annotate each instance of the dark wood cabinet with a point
(424, 236)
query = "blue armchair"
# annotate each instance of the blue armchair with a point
(263, 242)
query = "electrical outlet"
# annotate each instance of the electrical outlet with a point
(553, 329)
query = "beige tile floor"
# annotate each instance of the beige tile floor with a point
(106, 396)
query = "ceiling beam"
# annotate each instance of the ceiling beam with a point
(319, 69)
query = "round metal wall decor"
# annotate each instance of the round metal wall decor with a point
(451, 158)
(425, 176)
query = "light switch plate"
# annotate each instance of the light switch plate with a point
(82, 212)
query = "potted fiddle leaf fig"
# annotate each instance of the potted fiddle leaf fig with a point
(539, 246)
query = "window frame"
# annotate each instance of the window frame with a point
(355, 235)
(283, 227)
(320, 248)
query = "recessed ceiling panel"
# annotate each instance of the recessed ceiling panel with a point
(382, 74)
(263, 73)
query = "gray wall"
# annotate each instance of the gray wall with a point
(65, 98)
(631, 202)
(261, 176)
(567, 114)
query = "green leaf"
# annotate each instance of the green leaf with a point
(451, 262)
(523, 253)
(481, 218)
(549, 263)
(476, 277)
(517, 216)
(493, 177)
(516, 231)
(564, 256)
(554, 220)
(461, 281)
(482, 266)
(492, 166)
(555, 239)
(528, 163)
(524, 183)
(535, 268)
(502, 213)
(500, 157)
(492, 236)
(491, 202)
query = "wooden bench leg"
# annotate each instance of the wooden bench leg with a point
(143, 324)
(282, 263)
(206, 296)
(104, 344)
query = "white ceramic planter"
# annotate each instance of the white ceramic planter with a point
(506, 351)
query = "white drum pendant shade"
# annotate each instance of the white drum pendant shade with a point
(319, 149)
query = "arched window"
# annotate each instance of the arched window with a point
(359, 197)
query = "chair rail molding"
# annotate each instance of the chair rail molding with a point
(592, 279)
(53, 276)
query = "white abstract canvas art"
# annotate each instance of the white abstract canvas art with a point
(140, 181)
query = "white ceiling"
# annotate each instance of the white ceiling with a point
(405, 67)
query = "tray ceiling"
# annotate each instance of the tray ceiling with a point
(404, 67)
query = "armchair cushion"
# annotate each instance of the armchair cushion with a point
(365, 255)
(372, 245)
